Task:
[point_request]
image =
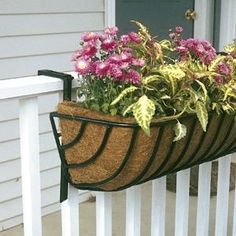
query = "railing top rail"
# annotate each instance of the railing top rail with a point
(31, 86)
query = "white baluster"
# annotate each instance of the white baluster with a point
(103, 214)
(203, 205)
(30, 171)
(182, 203)
(158, 207)
(70, 213)
(234, 219)
(222, 196)
(133, 211)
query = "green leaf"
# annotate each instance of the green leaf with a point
(202, 114)
(203, 89)
(172, 71)
(143, 111)
(180, 131)
(128, 109)
(215, 62)
(151, 78)
(113, 111)
(123, 94)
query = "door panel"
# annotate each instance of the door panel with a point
(158, 15)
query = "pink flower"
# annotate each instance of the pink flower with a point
(124, 65)
(111, 31)
(126, 57)
(135, 37)
(108, 44)
(224, 69)
(88, 51)
(82, 67)
(138, 62)
(89, 36)
(76, 55)
(133, 76)
(115, 58)
(172, 35)
(102, 69)
(219, 79)
(115, 71)
(124, 39)
(178, 29)
(103, 37)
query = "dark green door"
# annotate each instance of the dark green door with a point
(158, 15)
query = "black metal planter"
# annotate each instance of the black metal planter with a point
(136, 164)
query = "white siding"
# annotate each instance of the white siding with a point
(36, 35)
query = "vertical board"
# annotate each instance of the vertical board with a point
(29, 144)
(158, 207)
(203, 204)
(133, 211)
(182, 203)
(103, 214)
(222, 196)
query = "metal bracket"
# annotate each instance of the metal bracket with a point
(67, 81)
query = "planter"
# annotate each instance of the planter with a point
(108, 153)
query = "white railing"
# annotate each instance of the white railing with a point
(27, 90)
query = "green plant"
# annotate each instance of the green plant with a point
(137, 75)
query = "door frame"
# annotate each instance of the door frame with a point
(203, 25)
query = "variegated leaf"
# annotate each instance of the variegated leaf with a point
(143, 111)
(123, 94)
(202, 114)
(180, 131)
(203, 89)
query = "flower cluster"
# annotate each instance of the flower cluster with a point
(106, 55)
(137, 75)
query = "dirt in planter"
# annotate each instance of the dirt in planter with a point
(193, 188)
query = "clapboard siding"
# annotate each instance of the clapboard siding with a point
(30, 65)
(12, 189)
(50, 161)
(14, 207)
(38, 45)
(15, 25)
(42, 6)
(10, 150)
(36, 35)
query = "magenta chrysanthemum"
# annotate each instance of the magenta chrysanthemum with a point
(135, 37)
(108, 44)
(111, 31)
(82, 67)
(133, 76)
(102, 69)
(90, 36)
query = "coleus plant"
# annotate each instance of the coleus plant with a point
(137, 75)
